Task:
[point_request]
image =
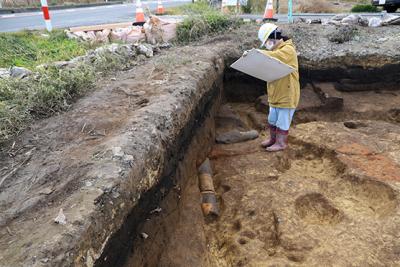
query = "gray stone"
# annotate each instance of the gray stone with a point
(343, 34)
(63, 64)
(78, 59)
(70, 35)
(165, 46)
(235, 136)
(339, 17)
(352, 19)
(145, 49)
(19, 72)
(125, 50)
(4, 73)
(112, 48)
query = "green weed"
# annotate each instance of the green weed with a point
(31, 48)
(202, 20)
(364, 8)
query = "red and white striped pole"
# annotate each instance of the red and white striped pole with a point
(46, 15)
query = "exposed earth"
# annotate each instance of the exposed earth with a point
(122, 164)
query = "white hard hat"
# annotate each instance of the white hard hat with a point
(265, 31)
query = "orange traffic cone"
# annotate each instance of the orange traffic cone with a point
(160, 8)
(269, 12)
(139, 14)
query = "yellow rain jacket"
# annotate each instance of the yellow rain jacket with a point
(285, 92)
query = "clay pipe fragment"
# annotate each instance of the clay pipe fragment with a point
(209, 204)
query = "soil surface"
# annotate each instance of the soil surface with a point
(330, 199)
(334, 192)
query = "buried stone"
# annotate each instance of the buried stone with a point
(236, 136)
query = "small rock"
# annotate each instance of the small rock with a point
(343, 34)
(60, 64)
(156, 210)
(4, 73)
(128, 158)
(145, 49)
(113, 48)
(113, 79)
(165, 46)
(60, 219)
(44, 260)
(313, 21)
(374, 22)
(88, 183)
(19, 72)
(70, 35)
(78, 59)
(46, 191)
(117, 152)
(144, 235)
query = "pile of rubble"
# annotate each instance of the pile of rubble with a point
(140, 41)
(355, 19)
(126, 51)
(153, 31)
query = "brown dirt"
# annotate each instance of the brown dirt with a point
(330, 199)
(310, 205)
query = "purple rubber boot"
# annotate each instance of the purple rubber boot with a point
(281, 141)
(272, 137)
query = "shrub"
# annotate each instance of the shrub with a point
(364, 8)
(202, 20)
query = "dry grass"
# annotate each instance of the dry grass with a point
(309, 6)
(320, 6)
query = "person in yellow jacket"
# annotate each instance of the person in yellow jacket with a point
(284, 93)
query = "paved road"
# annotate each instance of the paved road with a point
(78, 16)
(105, 14)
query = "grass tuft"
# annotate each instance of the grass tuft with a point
(364, 8)
(202, 20)
(31, 48)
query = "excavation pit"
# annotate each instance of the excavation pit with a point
(308, 205)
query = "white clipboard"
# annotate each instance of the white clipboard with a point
(261, 66)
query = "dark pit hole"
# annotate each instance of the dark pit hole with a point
(242, 241)
(252, 213)
(226, 188)
(237, 225)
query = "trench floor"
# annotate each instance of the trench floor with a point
(296, 207)
(330, 199)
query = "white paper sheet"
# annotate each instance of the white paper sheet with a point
(261, 66)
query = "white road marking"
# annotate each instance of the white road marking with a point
(8, 16)
(70, 10)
